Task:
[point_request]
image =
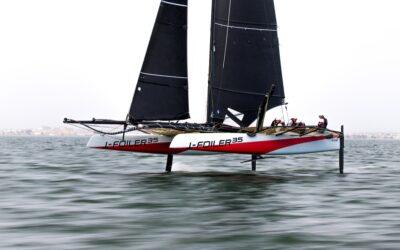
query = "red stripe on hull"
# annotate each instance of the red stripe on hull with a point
(260, 147)
(154, 148)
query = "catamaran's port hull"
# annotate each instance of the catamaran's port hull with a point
(139, 143)
(217, 143)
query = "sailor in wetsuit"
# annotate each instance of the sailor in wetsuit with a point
(293, 122)
(301, 124)
(323, 123)
(276, 123)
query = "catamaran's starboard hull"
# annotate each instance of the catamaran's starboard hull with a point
(214, 143)
(242, 143)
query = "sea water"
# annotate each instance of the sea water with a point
(57, 194)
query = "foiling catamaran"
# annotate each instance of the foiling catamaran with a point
(245, 81)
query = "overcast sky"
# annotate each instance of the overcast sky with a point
(81, 59)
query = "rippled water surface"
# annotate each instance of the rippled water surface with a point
(56, 194)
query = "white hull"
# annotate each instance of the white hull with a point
(217, 143)
(242, 143)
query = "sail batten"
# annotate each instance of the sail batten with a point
(175, 4)
(245, 59)
(162, 89)
(245, 27)
(244, 92)
(166, 76)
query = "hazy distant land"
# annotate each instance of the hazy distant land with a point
(373, 136)
(70, 132)
(46, 131)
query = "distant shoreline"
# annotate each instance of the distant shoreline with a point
(46, 132)
(75, 132)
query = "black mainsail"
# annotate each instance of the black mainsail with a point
(162, 89)
(245, 59)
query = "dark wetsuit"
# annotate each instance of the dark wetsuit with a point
(323, 124)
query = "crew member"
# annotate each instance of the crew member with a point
(292, 122)
(276, 123)
(323, 122)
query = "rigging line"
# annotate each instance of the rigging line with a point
(287, 112)
(283, 114)
(76, 126)
(227, 32)
(85, 126)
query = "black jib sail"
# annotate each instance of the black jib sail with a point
(244, 61)
(162, 88)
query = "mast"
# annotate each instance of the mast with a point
(211, 73)
(162, 89)
(245, 60)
